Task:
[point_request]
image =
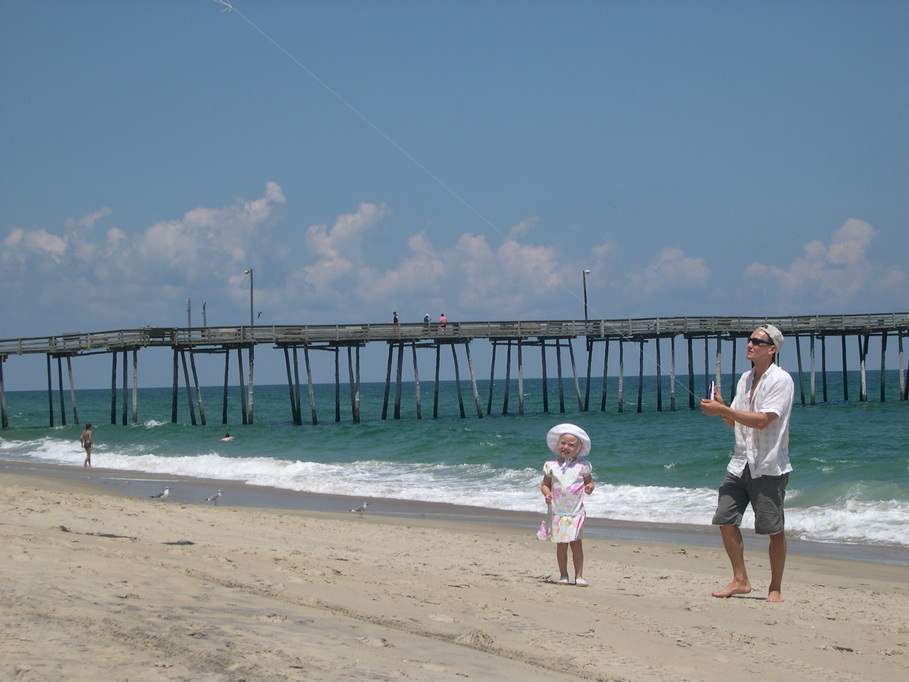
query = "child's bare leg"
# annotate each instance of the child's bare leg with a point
(562, 558)
(577, 555)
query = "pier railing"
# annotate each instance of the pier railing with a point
(293, 335)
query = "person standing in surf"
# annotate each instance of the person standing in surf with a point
(758, 471)
(86, 441)
(565, 481)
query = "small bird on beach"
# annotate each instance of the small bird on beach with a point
(214, 498)
(359, 510)
(163, 494)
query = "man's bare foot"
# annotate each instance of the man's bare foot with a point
(735, 587)
(775, 596)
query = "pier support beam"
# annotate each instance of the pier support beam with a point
(72, 389)
(605, 375)
(224, 394)
(293, 387)
(492, 377)
(188, 385)
(457, 373)
(621, 376)
(659, 377)
(558, 347)
(904, 378)
(508, 378)
(845, 371)
(798, 355)
(60, 390)
(863, 354)
(520, 378)
(824, 368)
(354, 384)
(240, 381)
(4, 416)
(398, 378)
(473, 381)
(416, 381)
(883, 365)
(113, 386)
(337, 359)
(135, 418)
(312, 394)
(387, 381)
(690, 374)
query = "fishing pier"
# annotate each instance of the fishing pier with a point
(547, 340)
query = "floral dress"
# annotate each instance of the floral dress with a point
(567, 488)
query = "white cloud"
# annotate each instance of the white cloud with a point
(670, 270)
(827, 277)
(337, 251)
(89, 220)
(120, 275)
(22, 245)
(353, 269)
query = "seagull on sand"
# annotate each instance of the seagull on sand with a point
(214, 498)
(359, 510)
(163, 494)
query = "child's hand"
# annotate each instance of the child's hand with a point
(548, 498)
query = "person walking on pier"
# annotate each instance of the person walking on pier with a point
(442, 321)
(86, 440)
(758, 471)
(395, 319)
(565, 481)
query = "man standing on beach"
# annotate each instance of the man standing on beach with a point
(759, 469)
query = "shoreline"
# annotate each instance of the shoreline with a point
(194, 491)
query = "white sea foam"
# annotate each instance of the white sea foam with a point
(851, 518)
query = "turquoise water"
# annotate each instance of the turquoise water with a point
(851, 460)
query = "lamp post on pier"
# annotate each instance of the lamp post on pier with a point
(252, 345)
(584, 274)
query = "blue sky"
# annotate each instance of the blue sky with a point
(699, 158)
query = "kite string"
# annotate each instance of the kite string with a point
(230, 8)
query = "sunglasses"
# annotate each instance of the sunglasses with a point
(759, 342)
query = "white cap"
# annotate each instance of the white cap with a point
(775, 335)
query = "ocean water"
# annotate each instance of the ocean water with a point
(850, 482)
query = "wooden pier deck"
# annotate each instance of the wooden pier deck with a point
(520, 335)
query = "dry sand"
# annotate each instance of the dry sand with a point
(100, 585)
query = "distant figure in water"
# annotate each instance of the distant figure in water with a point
(227, 436)
(86, 440)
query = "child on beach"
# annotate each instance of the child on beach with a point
(565, 481)
(86, 440)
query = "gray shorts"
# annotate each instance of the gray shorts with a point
(766, 495)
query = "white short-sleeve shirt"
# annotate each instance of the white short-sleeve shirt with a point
(765, 452)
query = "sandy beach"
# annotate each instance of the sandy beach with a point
(104, 583)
